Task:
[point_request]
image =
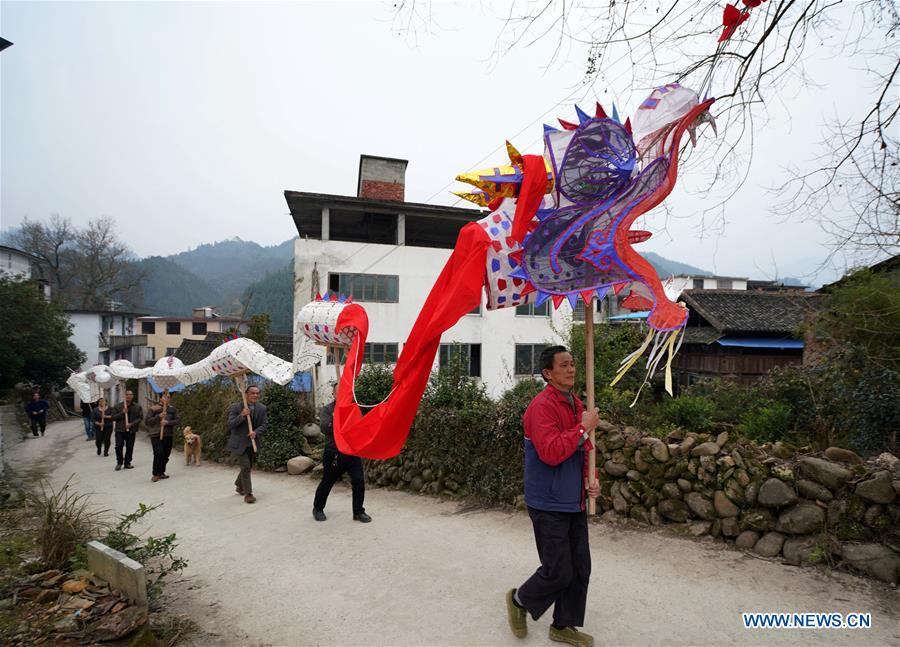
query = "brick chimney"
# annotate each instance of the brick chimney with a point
(381, 178)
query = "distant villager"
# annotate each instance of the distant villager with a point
(37, 413)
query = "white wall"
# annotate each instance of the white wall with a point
(85, 331)
(13, 264)
(497, 331)
(680, 283)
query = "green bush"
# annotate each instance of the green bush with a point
(373, 385)
(283, 439)
(156, 554)
(204, 407)
(462, 441)
(690, 412)
(768, 422)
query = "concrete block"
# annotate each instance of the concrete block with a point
(123, 573)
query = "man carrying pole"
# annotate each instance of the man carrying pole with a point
(127, 416)
(246, 421)
(557, 432)
(161, 422)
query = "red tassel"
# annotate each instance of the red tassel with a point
(600, 112)
(628, 125)
(567, 125)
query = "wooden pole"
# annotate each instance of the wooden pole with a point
(338, 356)
(241, 381)
(164, 414)
(589, 387)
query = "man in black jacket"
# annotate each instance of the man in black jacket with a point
(37, 413)
(127, 417)
(335, 464)
(240, 437)
(103, 425)
(161, 422)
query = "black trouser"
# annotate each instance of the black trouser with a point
(38, 421)
(335, 464)
(124, 439)
(562, 579)
(162, 447)
(102, 438)
(243, 482)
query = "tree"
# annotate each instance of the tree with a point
(258, 330)
(52, 244)
(35, 345)
(103, 268)
(87, 267)
(758, 67)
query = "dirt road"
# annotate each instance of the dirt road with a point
(426, 572)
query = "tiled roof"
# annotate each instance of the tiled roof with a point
(742, 311)
(193, 350)
(700, 335)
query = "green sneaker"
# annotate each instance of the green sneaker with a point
(572, 636)
(516, 616)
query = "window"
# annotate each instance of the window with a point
(373, 353)
(471, 354)
(724, 284)
(698, 284)
(528, 359)
(151, 352)
(173, 327)
(531, 310)
(380, 354)
(198, 328)
(170, 351)
(380, 288)
(148, 327)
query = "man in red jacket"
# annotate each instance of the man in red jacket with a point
(557, 429)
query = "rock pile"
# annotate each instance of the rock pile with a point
(76, 605)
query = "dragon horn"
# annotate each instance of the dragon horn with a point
(514, 155)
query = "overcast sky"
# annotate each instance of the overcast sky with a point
(186, 122)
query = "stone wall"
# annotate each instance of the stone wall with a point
(831, 508)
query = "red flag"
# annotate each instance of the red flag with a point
(382, 432)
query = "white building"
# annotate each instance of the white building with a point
(387, 254)
(16, 264)
(105, 336)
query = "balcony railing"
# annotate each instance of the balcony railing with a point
(117, 342)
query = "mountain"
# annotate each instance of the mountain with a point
(236, 275)
(216, 274)
(665, 268)
(274, 294)
(234, 264)
(170, 289)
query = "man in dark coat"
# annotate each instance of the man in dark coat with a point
(161, 421)
(37, 413)
(557, 429)
(335, 464)
(101, 416)
(127, 416)
(241, 435)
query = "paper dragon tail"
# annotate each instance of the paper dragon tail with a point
(666, 343)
